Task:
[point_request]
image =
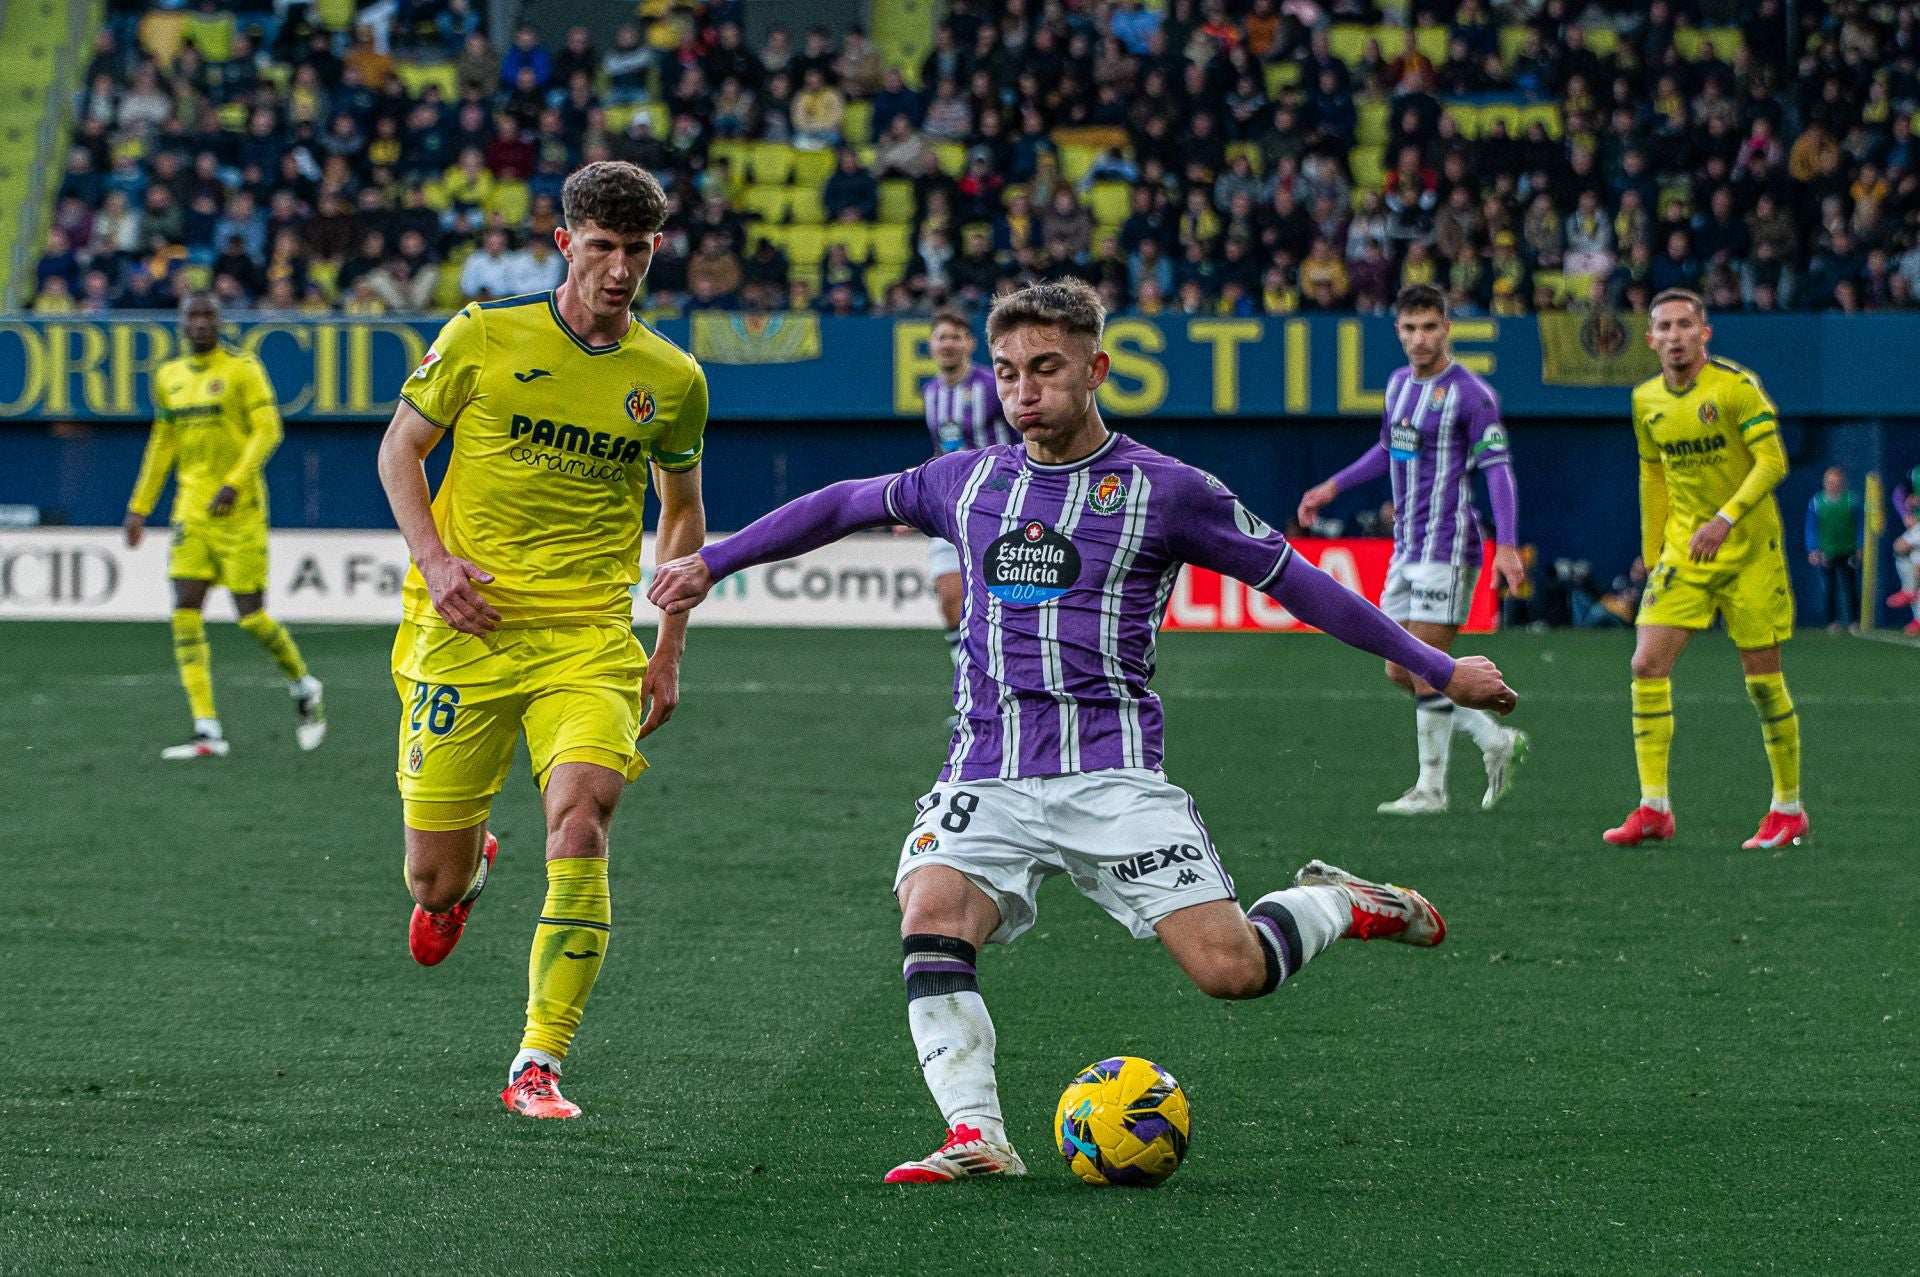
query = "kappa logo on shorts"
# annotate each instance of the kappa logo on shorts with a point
(924, 843)
(416, 757)
(1109, 496)
(1137, 867)
(1186, 879)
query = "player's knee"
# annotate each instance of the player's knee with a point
(580, 830)
(1648, 665)
(1232, 977)
(437, 888)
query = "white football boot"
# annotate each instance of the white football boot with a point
(312, 728)
(1502, 761)
(201, 746)
(966, 1155)
(1416, 802)
(1381, 911)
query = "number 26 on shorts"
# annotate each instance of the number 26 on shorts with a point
(438, 704)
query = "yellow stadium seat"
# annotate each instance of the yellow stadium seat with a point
(1372, 129)
(865, 155)
(1465, 117)
(1552, 280)
(856, 122)
(418, 75)
(1077, 161)
(1368, 167)
(334, 15)
(769, 203)
(772, 163)
(1431, 41)
(197, 276)
(1577, 288)
(446, 290)
(1112, 202)
(435, 194)
(777, 235)
(896, 200)
(1507, 111)
(813, 168)
(1511, 38)
(804, 207)
(1249, 149)
(1602, 41)
(1393, 40)
(734, 151)
(882, 277)
(890, 245)
(953, 158)
(326, 274)
(806, 245)
(509, 200)
(1348, 40)
(857, 237)
(1281, 76)
(161, 32)
(212, 34)
(1547, 113)
(618, 117)
(808, 275)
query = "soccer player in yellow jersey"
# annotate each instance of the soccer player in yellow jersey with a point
(519, 605)
(216, 422)
(1710, 457)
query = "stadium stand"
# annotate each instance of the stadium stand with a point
(1519, 158)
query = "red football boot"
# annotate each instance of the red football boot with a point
(535, 1092)
(1900, 598)
(1379, 910)
(431, 936)
(1644, 825)
(1778, 829)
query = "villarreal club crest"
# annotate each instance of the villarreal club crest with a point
(641, 405)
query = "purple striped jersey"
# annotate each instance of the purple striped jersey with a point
(966, 417)
(1436, 434)
(1067, 572)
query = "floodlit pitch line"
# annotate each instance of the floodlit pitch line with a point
(1897, 639)
(756, 687)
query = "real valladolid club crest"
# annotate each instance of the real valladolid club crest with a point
(416, 757)
(1108, 496)
(641, 405)
(1708, 414)
(925, 842)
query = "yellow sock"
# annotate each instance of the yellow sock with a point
(190, 654)
(1780, 726)
(1652, 735)
(569, 944)
(279, 644)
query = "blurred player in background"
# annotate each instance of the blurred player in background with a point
(1710, 458)
(1440, 425)
(963, 415)
(1070, 545)
(519, 606)
(1906, 549)
(216, 421)
(1834, 525)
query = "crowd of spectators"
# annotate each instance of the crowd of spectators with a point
(1205, 156)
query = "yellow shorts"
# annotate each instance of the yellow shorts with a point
(465, 700)
(1755, 598)
(231, 552)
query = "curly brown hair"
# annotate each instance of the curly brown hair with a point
(1068, 304)
(615, 196)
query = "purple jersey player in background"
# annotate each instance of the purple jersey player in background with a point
(1070, 544)
(1441, 423)
(963, 415)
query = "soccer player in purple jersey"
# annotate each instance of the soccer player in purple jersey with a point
(1070, 545)
(1441, 424)
(963, 415)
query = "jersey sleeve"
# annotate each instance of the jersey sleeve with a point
(1759, 429)
(923, 497)
(1486, 433)
(261, 411)
(678, 447)
(163, 445)
(449, 375)
(1209, 528)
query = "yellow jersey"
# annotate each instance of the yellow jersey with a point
(1712, 448)
(216, 420)
(552, 438)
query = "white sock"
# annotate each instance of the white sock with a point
(1433, 724)
(1297, 925)
(304, 688)
(539, 1057)
(1788, 809)
(954, 1037)
(1904, 569)
(208, 727)
(1657, 804)
(1483, 727)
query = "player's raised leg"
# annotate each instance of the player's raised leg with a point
(945, 919)
(1786, 820)
(194, 660)
(571, 936)
(1656, 650)
(271, 635)
(449, 855)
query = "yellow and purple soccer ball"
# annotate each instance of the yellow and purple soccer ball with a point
(1123, 1121)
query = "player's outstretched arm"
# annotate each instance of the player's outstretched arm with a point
(803, 524)
(450, 581)
(1370, 465)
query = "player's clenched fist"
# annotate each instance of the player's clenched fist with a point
(681, 585)
(450, 583)
(1476, 684)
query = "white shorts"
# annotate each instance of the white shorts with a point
(1435, 593)
(1132, 843)
(943, 558)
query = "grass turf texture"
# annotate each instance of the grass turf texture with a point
(221, 1059)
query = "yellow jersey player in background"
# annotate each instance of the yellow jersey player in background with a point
(1710, 458)
(519, 606)
(215, 420)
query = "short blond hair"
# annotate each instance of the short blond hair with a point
(1068, 304)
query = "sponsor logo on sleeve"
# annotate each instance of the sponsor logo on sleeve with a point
(1495, 436)
(432, 358)
(1250, 523)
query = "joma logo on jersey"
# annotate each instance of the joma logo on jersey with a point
(1151, 862)
(1109, 496)
(566, 437)
(1694, 447)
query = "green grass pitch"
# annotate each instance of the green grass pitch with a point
(219, 1057)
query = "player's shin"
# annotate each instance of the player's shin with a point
(953, 1033)
(273, 636)
(1295, 926)
(190, 653)
(1780, 727)
(1433, 723)
(1652, 738)
(569, 943)
(1478, 725)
